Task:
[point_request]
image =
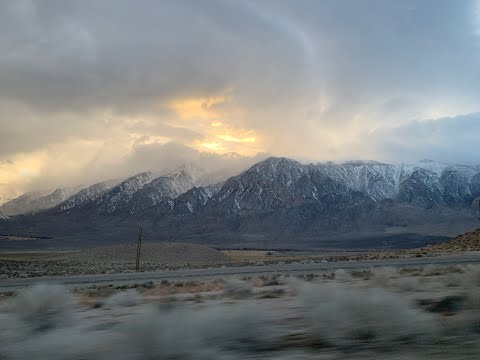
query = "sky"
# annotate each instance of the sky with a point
(91, 90)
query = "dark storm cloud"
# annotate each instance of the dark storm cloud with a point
(125, 54)
(73, 55)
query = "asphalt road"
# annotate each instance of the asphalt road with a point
(200, 274)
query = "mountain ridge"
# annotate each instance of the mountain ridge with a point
(278, 198)
(377, 180)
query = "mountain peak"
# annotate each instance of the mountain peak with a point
(431, 165)
(278, 161)
(191, 170)
(275, 165)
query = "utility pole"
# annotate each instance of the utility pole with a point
(139, 248)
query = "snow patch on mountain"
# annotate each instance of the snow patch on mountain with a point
(191, 201)
(88, 194)
(456, 181)
(377, 180)
(211, 190)
(160, 189)
(54, 199)
(433, 166)
(421, 189)
(122, 193)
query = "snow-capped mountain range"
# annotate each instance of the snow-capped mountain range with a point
(425, 183)
(273, 198)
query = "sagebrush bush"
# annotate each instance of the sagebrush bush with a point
(210, 333)
(126, 298)
(383, 276)
(72, 343)
(472, 275)
(43, 307)
(237, 288)
(409, 284)
(240, 327)
(343, 316)
(342, 275)
(213, 332)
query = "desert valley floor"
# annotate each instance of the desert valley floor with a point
(360, 308)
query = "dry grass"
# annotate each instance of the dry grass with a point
(30, 255)
(268, 257)
(253, 256)
(466, 242)
(111, 259)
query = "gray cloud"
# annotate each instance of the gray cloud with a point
(157, 158)
(312, 79)
(452, 139)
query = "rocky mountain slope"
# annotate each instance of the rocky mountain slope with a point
(116, 197)
(190, 202)
(163, 188)
(130, 196)
(281, 197)
(53, 199)
(87, 195)
(422, 188)
(376, 180)
(3, 216)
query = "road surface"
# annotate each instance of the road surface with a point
(201, 274)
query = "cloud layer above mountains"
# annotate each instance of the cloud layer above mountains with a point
(90, 89)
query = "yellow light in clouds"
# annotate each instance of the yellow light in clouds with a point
(219, 122)
(204, 108)
(19, 171)
(27, 165)
(230, 141)
(231, 138)
(212, 146)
